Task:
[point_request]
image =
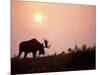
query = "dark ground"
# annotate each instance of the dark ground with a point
(80, 60)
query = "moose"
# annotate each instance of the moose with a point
(32, 46)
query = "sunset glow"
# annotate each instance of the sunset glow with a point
(38, 18)
(64, 25)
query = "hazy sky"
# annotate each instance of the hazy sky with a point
(64, 25)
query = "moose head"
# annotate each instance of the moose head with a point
(44, 45)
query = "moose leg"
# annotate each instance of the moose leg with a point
(34, 54)
(25, 55)
(19, 54)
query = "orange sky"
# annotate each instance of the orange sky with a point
(64, 25)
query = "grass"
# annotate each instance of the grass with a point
(79, 60)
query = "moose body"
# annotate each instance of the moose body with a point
(33, 46)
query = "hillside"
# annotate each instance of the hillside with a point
(80, 60)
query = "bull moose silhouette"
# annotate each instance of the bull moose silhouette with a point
(33, 46)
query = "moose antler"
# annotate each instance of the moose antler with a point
(46, 43)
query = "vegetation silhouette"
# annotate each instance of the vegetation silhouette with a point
(33, 46)
(82, 58)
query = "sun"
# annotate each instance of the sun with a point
(38, 18)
